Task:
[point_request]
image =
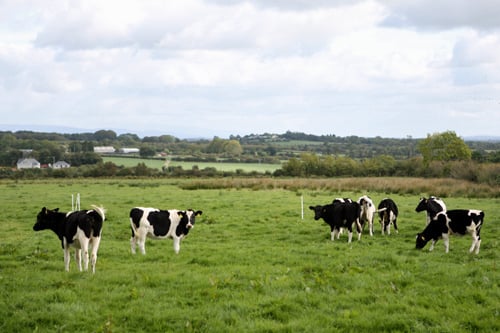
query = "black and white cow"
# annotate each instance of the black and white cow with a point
(160, 224)
(79, 229)
(339, 215)
(433, 206)
(367, 212)
(456, 221)
(388, 214)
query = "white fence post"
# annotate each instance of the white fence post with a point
(302, 206)
(75, 202)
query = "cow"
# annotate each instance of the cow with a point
(160, 224)
(456, 221)
(433, 206)
(79, 229)
(339, 215)
(388, 214)
(367, 212)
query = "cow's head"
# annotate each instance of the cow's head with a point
(422, 205)
(44, 218)
(188, 217)
(318, 211)
(421, 241)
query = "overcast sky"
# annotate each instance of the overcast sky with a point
(205, 68)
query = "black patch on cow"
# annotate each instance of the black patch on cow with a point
(160, 220)
(136, 215)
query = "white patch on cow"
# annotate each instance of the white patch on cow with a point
(349, 236)
(367, 211)
(475, 212)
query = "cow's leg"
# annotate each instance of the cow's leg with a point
(359, 229)
(177, 244)
(133, 242)
(85, 252)
(349, 234)
(446, 241)
(388, 226)
(141, 240)
(95, 247)
(478, 245)
(432, 245)
(78, 258)
(475, 242)
(370, 226)
(67, 257)
(396, 225)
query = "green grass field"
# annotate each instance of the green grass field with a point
(251, 264)
(220, 166)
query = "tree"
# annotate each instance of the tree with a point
(146, 151)
(103, 135)
(446, 146)
(233, 148)
(216, 146)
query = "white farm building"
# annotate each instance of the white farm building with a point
(129, 150)
(28, 163)
(104, 149)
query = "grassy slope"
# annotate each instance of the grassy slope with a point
(250, 264)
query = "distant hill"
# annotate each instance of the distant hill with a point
(483, 138)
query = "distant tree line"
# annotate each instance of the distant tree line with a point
(438, 155)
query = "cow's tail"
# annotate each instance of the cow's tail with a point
(381, 210)
(99, 210)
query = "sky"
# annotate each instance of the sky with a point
(206, 68)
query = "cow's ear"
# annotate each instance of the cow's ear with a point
(311, 207)
(198, 212)
(56, 210)
(181, 213)
(44, 210)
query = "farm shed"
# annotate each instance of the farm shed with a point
(28, 163)
(129, 150)
(61, 165)
(104, 149)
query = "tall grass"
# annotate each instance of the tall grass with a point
(444, 187)
(251, 264)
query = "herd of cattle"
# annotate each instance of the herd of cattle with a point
(344, 213)
(82, 229)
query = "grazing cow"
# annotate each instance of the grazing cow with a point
(160, 224)
(78, 229)
(433, 206)
(367, 212)
(457, 221)
(339, 215)
(388, 214)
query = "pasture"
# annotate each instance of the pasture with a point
(220, 166)
(251, 264)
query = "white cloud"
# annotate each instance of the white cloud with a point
(259, 66)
